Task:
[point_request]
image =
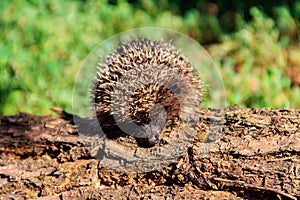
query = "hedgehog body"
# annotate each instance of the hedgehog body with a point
(146, 86)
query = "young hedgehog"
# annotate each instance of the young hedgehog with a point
(144, 88)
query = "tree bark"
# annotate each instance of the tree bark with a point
(236, 154)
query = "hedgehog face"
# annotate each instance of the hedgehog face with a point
(152, 136)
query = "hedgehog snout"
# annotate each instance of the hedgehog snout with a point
(156, 125)
(153, 140)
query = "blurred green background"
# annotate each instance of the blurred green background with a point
(255, 45)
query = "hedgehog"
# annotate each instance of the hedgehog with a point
(143, 88)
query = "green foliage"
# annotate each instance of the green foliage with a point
(43, 43)
(254, 69)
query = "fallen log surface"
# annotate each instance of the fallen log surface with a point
(246, 154)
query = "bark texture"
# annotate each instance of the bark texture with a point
(237, 154)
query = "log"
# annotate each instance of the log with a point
(238, 153)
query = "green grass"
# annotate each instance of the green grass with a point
(43, 44)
